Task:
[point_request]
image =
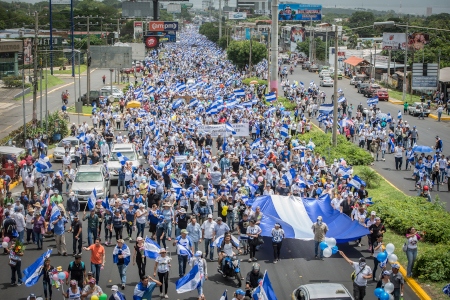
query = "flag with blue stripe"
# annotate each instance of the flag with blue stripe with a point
(289, 177)
(190, 281)
(224, 296)
(54, 215)
(345, 172)
(82, 137)
(124, 251)
(356, 182)
(229, 128)
(33, 272)
(326, 109)
(269, 112)
(194, 102)
(270, 97)
(284, 131)
(151, 248)
(265, 290)
(177, 103)
(122, 159)
(239, 93)
(256, 144)
(372, 101)
(43, 163)
(92, 199)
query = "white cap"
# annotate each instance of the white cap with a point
(114, 288)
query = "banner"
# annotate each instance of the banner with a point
(299, 12)
(179, 159)
(237, 15)
(214, 130)
(138, 29)
(393, 41)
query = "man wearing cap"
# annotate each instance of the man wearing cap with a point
(77, 271)
(201, 209)
(91, 289)
(92, 228)
(59, 230)
(72, 205)
(121, 257)
(362, 273)
(208, 234)
(184, 246)
(76, 228)
(56, 197)
(116, 295)
(319, 229)
(398, 281)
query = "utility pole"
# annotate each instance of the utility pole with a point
(326, 46)
(268, 59)
(389, 68)
(88, 69)
(335, 101)
(374, 61)
(310, 40)
(35, 63)
(405, 69)
(40, 81)
(274, 49)
(250, 56)
(220, 19)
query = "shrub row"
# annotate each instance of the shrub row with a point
(260, 81)
(434, 265)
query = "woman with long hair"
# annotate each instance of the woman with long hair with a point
(162, 266)
(412, 237)
(139, 256)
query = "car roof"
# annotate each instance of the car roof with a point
(326, 290)
(70, 138)
(326, 77)
(90, 168)
(118, 147)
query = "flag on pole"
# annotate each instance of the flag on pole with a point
(224, 296)
(151, 248)
(33, 272)
(270, 97)
(229, 128)
(190, 281)
(92, 199)
(265, 290)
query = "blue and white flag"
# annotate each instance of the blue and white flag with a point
(43, 163)
(289, 177)
(124, 251)
(341, 99)
(91, 200)
(269, 111)
(297, 215)
(105, 203)
(150, 89)
(239, 93)
(270, 97)
(265, 290)
(194, 102)
(345, 172)
(151, 248)
(54, 215)
(122, 159)
(181, 87)
(82, 137)
(391, 143)
(229, 128)
(33, 272)
(372, 101)
(190, 281)
(284, 130)
(224, 296)
(326, 109)
(356, 182)
(252, 187)
(176, 186)
(256, 144)
(177, 103)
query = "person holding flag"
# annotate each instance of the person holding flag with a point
(58, 222)
(116, 295)
(184, 251)
(121, 257)
(200, 262)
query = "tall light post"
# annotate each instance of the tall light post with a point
(274, 49)
(335, 100)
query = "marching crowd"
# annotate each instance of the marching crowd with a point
(177, 199)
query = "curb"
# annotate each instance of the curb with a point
(75, 114)
(395, 101)
(16, 183)
(435, 117)
(420, 292)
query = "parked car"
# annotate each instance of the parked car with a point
(89, 177)
(324, 73)
(321, 291)
(414, 109)
(59, 151)
(362, 88)
(339, 74)
(356, 79)
(94, 96)
(326, 81)
(126, 150)
(372, 90)
(383, 94)
(313, 68)
(116, 92)
(306, 65)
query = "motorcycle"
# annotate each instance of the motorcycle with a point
(231, 267)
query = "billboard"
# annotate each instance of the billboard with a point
(60, 1)
(299, 12)
(393, 41)
(138, 29)
(297, 36)
(174, 8)
(418, 40)
(424, 76)
(162, 26)
(237, 15)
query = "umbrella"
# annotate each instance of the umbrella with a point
(254, 82)
(133, 104)
(423, 149)
(47, 171)
(382, 116)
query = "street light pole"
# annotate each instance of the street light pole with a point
(220, 19)
(274, 49)
(405, 68)
(335, 100)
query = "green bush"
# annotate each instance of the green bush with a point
(12, 81)
(434, 265)
(260, 81)
(352, 154)
(370, 176)
(288, 105)
(402, 213)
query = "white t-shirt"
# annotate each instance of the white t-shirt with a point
(412, 242)
(253, 230)
(163, 264)
(208, 227)
(336, 203)
(277, 235)
(360, 280)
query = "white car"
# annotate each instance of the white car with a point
(324, 73)
(326, 81)
(60, 151)
(128, 151)
(116, 92)
(88, 178)
(321, 291)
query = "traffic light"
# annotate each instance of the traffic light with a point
(89, 61)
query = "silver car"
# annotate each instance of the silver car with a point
(326, 81)
(60, 151)
(89, 177)
(128, 151)
(322, 291)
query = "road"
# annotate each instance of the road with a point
(428, 129)
(11, 113)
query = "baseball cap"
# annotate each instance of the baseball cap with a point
(373, 213)
(387, 272)
(114, 288)
(395, 266)
(210, 216)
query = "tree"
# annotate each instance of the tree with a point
(210, 30)
(367, 44)
(319, 46)
(239, 53)
(223, 41)
(360, 19)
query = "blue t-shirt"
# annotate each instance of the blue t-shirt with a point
(130, 215)
(59, 226)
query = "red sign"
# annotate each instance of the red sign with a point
(151, 41)
(137, 24)
(341, 53)
(156, 26)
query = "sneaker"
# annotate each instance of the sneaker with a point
(316, 257)
(166, 296)
(359, 244)
(249, 260)
(13, 284)
(275, 261)
(79, 253)
(64, 254)
(19, 284)
(255, 259)
(123, 286)
(73, 254)
(161, 295)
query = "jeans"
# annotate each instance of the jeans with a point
(123, 273)
(182, 262)
(195, 246)
(16, 269)
(38, 237)
(95, 268)
(140, 229)
(94, 232)
(159, 233)
(375, 266)
(442, 172)
(75, 241)
(47, 287)
(411, 255)
(230, 220)
(200, 286)
(121, 183)
(20, 237)
(209, 244)
(168, 230)
(316, 247)
(359, 292)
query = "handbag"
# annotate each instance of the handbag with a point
(260, 240)
(354, 275)
(405, 246)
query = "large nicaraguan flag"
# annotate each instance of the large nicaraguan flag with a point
(33, 272)
(297, 215)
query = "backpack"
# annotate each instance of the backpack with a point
(10, 226)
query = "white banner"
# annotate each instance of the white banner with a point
(240, 128)
(394, 41)
(179, 159)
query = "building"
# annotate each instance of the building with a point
(10, 50)
(429, 11)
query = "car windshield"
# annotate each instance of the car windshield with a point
(130, 155)
(88, 177)
(327, 78)
(73, 143)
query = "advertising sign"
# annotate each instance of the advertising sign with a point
(424, 76)
(297, 36)
(393, 41)
(151, 41)
(179, 159)
(162, 26)
(60, 1)
(214, 130)
(138, 29)
(418, 40)
(424, 82)
(237, 15)
(299, 12)
(174, 8)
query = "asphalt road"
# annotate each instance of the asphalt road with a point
(428, 129)
(11, 113)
